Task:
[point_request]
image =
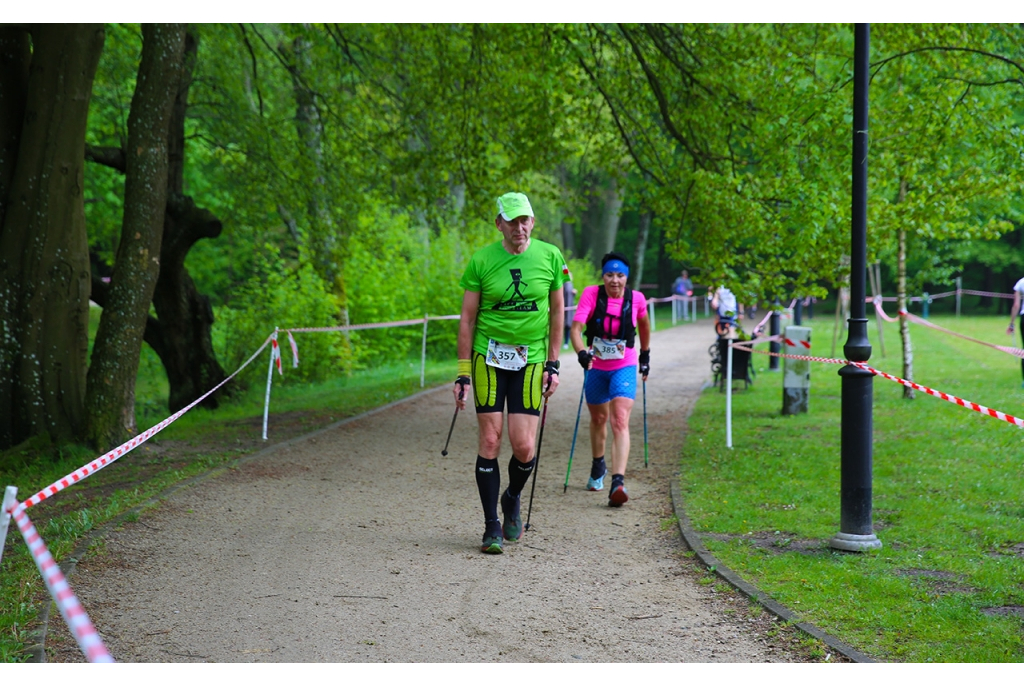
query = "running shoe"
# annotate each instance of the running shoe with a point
(617, 497)
(512, 528)
(594, 484)
(491, 543)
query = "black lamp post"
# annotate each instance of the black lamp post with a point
(856, 533)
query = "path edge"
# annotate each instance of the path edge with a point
(36, 649)
(696, 544)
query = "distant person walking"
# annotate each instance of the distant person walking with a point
(509, 337)
(1017, 309)
(682, 286)
(611, 316)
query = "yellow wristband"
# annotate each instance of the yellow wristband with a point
(465, 367)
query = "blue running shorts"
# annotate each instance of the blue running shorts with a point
(604, 386)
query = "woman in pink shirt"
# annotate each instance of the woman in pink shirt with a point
(609, 360)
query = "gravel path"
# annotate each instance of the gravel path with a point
(361, 544)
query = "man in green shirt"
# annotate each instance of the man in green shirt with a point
(509, 337)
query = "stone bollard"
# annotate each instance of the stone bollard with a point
(796, 379)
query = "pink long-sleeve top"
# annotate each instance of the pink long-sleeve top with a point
(586, 305)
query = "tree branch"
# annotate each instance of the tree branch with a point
(948, 48)
(252, 57)
(614, 113)
(112, 157)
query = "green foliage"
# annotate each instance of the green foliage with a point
(108, 127)
(742, 135)
(947, 151)
(276, 296)
(402, 271)
(583, 273)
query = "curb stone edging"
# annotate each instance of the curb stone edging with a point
(694, 542)
(37, 648)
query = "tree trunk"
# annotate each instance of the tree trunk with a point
(44, 254)
(110, 391)
(604, 216)
(323, 237)
(181, 334)
(15, 57)
(568, 227)
(901, 305)
(637, 273)
(310, 129)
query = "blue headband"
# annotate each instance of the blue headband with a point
(615, 266)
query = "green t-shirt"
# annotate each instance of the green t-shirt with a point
(514, 295)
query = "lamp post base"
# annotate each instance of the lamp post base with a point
(849, 542)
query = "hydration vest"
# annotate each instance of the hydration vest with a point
(595, 324)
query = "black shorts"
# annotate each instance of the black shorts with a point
(492, 387)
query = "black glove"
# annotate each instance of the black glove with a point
(463, 381)
(584, 356)
(645, 362)
(551, 367)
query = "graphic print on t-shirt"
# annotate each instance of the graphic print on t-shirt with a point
(512, 304)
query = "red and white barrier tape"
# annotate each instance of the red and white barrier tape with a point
(773, 338)
(275, 353)
(994, 413)
(759, 327)
(1015, 351)
(985, 293)
(981, 409)
(81, 627)
(359, 327)
(295, 350)
(367, 326)
(881, 312)
(121, 450)
(939, 296)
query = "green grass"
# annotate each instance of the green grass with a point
(199, 441)
(948, 498)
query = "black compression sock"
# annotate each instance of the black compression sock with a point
(518, 474)
(597, 468)
(488, 482)
(618, 479)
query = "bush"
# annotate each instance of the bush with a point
(277, 296)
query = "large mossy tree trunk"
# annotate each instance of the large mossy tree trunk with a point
(182, 332)
(110, 389)
(15, 58)
(44, 255)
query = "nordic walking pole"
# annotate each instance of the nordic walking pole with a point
(645, 423)
(575, 431)
(536, 459)
(444, 452)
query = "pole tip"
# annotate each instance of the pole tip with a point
(444, 453)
